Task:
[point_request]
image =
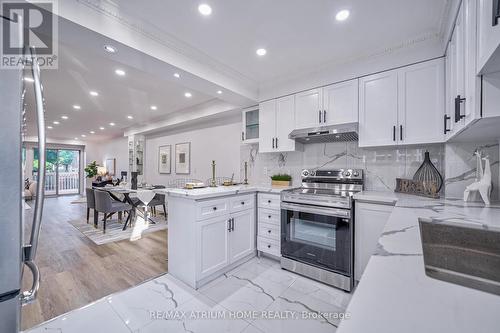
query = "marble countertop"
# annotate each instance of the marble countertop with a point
(395, 295)
(213, 192)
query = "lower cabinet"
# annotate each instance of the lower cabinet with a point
(242, 235)
(369, 223)
(269, 223)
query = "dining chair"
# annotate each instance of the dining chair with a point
(89, 193)
(159, 200)
(146, 197)
(105, 204)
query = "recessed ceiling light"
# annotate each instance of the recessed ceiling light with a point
(64, 117)
(83, 136)
(219, 92)
(92, 132)
(55, 122)
(205, 9)
(77, 107)
(109, 48)
(76, 138)
(111, 124)
(188, 94)
(153, 107)
(50, 127)
(177, 75)
(261, 52)
(342, 15)
(101, 128)
(120, 72)
(94, 93)
(28, 79)
(130, 117)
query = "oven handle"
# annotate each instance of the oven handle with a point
(316, 210)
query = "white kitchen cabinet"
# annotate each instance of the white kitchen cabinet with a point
(213, 240)
(269, 223)
(403, 106)
(276, 121)
(340, 103)
(329, 105)
(242, 235)
(250, 125)
(370, 219)
(378, 109)
(308, 108)
(488, 52)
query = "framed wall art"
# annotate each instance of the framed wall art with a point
(165, 159)
(183, 158)
(111, 166)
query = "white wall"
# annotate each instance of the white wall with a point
(114, 148)
(219, 142)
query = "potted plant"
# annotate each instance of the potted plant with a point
(281, 179)
(91, 169)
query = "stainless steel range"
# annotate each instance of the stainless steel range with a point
(317, 233)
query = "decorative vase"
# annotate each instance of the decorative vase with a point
(428, 172)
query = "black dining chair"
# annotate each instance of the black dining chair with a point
(89, 193)
(105, 204)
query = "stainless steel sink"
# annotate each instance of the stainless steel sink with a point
(468, 256)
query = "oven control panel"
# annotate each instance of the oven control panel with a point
(333, 173)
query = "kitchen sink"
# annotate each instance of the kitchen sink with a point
(463, 255)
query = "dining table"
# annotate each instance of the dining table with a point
(126, 192)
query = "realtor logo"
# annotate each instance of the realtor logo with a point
(28, 24)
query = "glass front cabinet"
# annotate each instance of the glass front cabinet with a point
(250, 130)
(136, 153)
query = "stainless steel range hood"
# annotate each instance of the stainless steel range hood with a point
(333, 133)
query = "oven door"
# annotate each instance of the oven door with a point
(318, 236)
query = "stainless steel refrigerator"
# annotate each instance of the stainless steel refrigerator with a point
(16, 257)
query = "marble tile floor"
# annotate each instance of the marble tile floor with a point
(257, 296)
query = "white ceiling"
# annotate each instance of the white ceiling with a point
(299, 35)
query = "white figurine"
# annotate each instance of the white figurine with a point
(483, 186)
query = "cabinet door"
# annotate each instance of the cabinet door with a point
(213, 245)
(308, 109)
(285, 120)
(340, 103)
(242, 236)
(370, 222)
(250, 130)
(459, 39)
(267, 126)
(421, 98)
(488, 37)
(378, 109)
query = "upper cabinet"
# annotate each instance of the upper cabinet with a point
(403, 106)
(488, 50)
(276, 122)
(250, 127)
(330, 105)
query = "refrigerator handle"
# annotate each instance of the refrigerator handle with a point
(30, 249)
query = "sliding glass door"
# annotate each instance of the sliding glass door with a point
(63, 171)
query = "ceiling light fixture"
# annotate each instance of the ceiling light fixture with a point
(177, 75)
(94, 93)
(92, 132)
(188, 94)
(120, 72)
(130, 117)
(261, 52)
(153, 107)
(77, 107)
(109, 48)
(342, 15)
(28, 79)
(205, 9)
(55, 122)
(64, 117)
(76, 138)
(50, 127)
(101, 128)
(219, 92)
(111, 124)
(83, 136)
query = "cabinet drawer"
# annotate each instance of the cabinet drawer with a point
(242, 202)
(271, 216)
(212, 208)
(269, 201)
(271, 231)
(269, 246)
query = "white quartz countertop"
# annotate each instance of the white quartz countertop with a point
(213, 192)
(395, 295)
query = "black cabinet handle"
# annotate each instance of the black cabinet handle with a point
(269, 246)
(242, 136)
(243, 202)
(269, 216)
(229, 225)
(269, 231)
(393, 133)
(232, 224)
(324, 116)
(446, 118)
(319, 116)
(215, 208)
(458, 102)
(495, 12)
(400, 132)
(273, 143)
(268, 201)
(276, 143)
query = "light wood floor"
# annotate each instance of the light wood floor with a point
(75, 271)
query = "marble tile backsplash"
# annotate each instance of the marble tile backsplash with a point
(455, 162)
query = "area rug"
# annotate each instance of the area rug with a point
(114, 232)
